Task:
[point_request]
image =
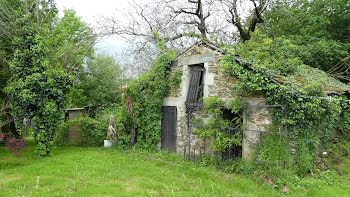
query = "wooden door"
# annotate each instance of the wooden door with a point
(168, 138)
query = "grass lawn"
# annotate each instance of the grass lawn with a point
(74, 171)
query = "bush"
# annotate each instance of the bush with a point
(93, 132)
(13, 144)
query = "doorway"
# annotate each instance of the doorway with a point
(237, 120)
(168, 123)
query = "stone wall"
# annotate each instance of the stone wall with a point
(177, 92)
(217, 84)
(221, 83)
(257, 119)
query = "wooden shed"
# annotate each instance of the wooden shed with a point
(74, 131)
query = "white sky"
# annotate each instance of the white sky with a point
(90, 11)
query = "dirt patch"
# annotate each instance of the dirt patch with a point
(72, 189)
(226, 176)
(155, 159)
(285, 189)
(8, 178)
(130, 184)
(268, 181)
(129, 188)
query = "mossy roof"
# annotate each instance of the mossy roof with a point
(306, 75)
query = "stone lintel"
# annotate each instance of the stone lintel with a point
(196, 59)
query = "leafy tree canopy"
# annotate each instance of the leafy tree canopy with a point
(100, 83)
(320, 29)
(70, 42)
(36, 91)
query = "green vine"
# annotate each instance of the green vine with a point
(215, 127)
(175, 81)
(37, 92)
(310, 120)
(93, 132)
(145, 94)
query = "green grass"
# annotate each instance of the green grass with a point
(74, 171)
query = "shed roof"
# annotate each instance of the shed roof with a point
(301, 78)
(208, 44)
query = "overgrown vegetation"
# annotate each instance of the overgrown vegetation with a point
(41, 54)
(143, 100)
(318, 29)
(93, 129)
(175, 81)
(216, 128)
(36, 91)
(311, 121)
(99, 84)
(284, 60)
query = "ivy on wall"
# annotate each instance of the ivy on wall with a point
(310, 120)
(145, 98)
(216, 128)
(36, 91)
(175, 81)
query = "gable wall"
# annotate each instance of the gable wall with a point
(215, 84)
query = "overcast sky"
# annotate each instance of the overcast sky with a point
(91, 10)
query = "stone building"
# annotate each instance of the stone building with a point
(202, 77)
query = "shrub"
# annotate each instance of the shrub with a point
(15, 145)
(93, 132)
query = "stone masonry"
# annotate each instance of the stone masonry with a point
(217, 84)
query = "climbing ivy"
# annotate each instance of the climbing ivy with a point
(310, 120)
(175, 81)
(143, 99)
(215, 127)
(36, 91)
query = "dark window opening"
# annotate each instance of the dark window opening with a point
(195, 90)
(237, 120)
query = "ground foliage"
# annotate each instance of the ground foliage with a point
(13, 144)
(93, 132)
(311, 121)
(94, 171)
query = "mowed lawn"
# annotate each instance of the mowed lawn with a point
(75, 171)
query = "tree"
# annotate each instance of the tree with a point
(195, 9)
(181, 23)
(316, 18)
(69, 42)
(236, 19)
(41, 53)
(99, 84)
(319, 28)
(36, 91)
(10, 12)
